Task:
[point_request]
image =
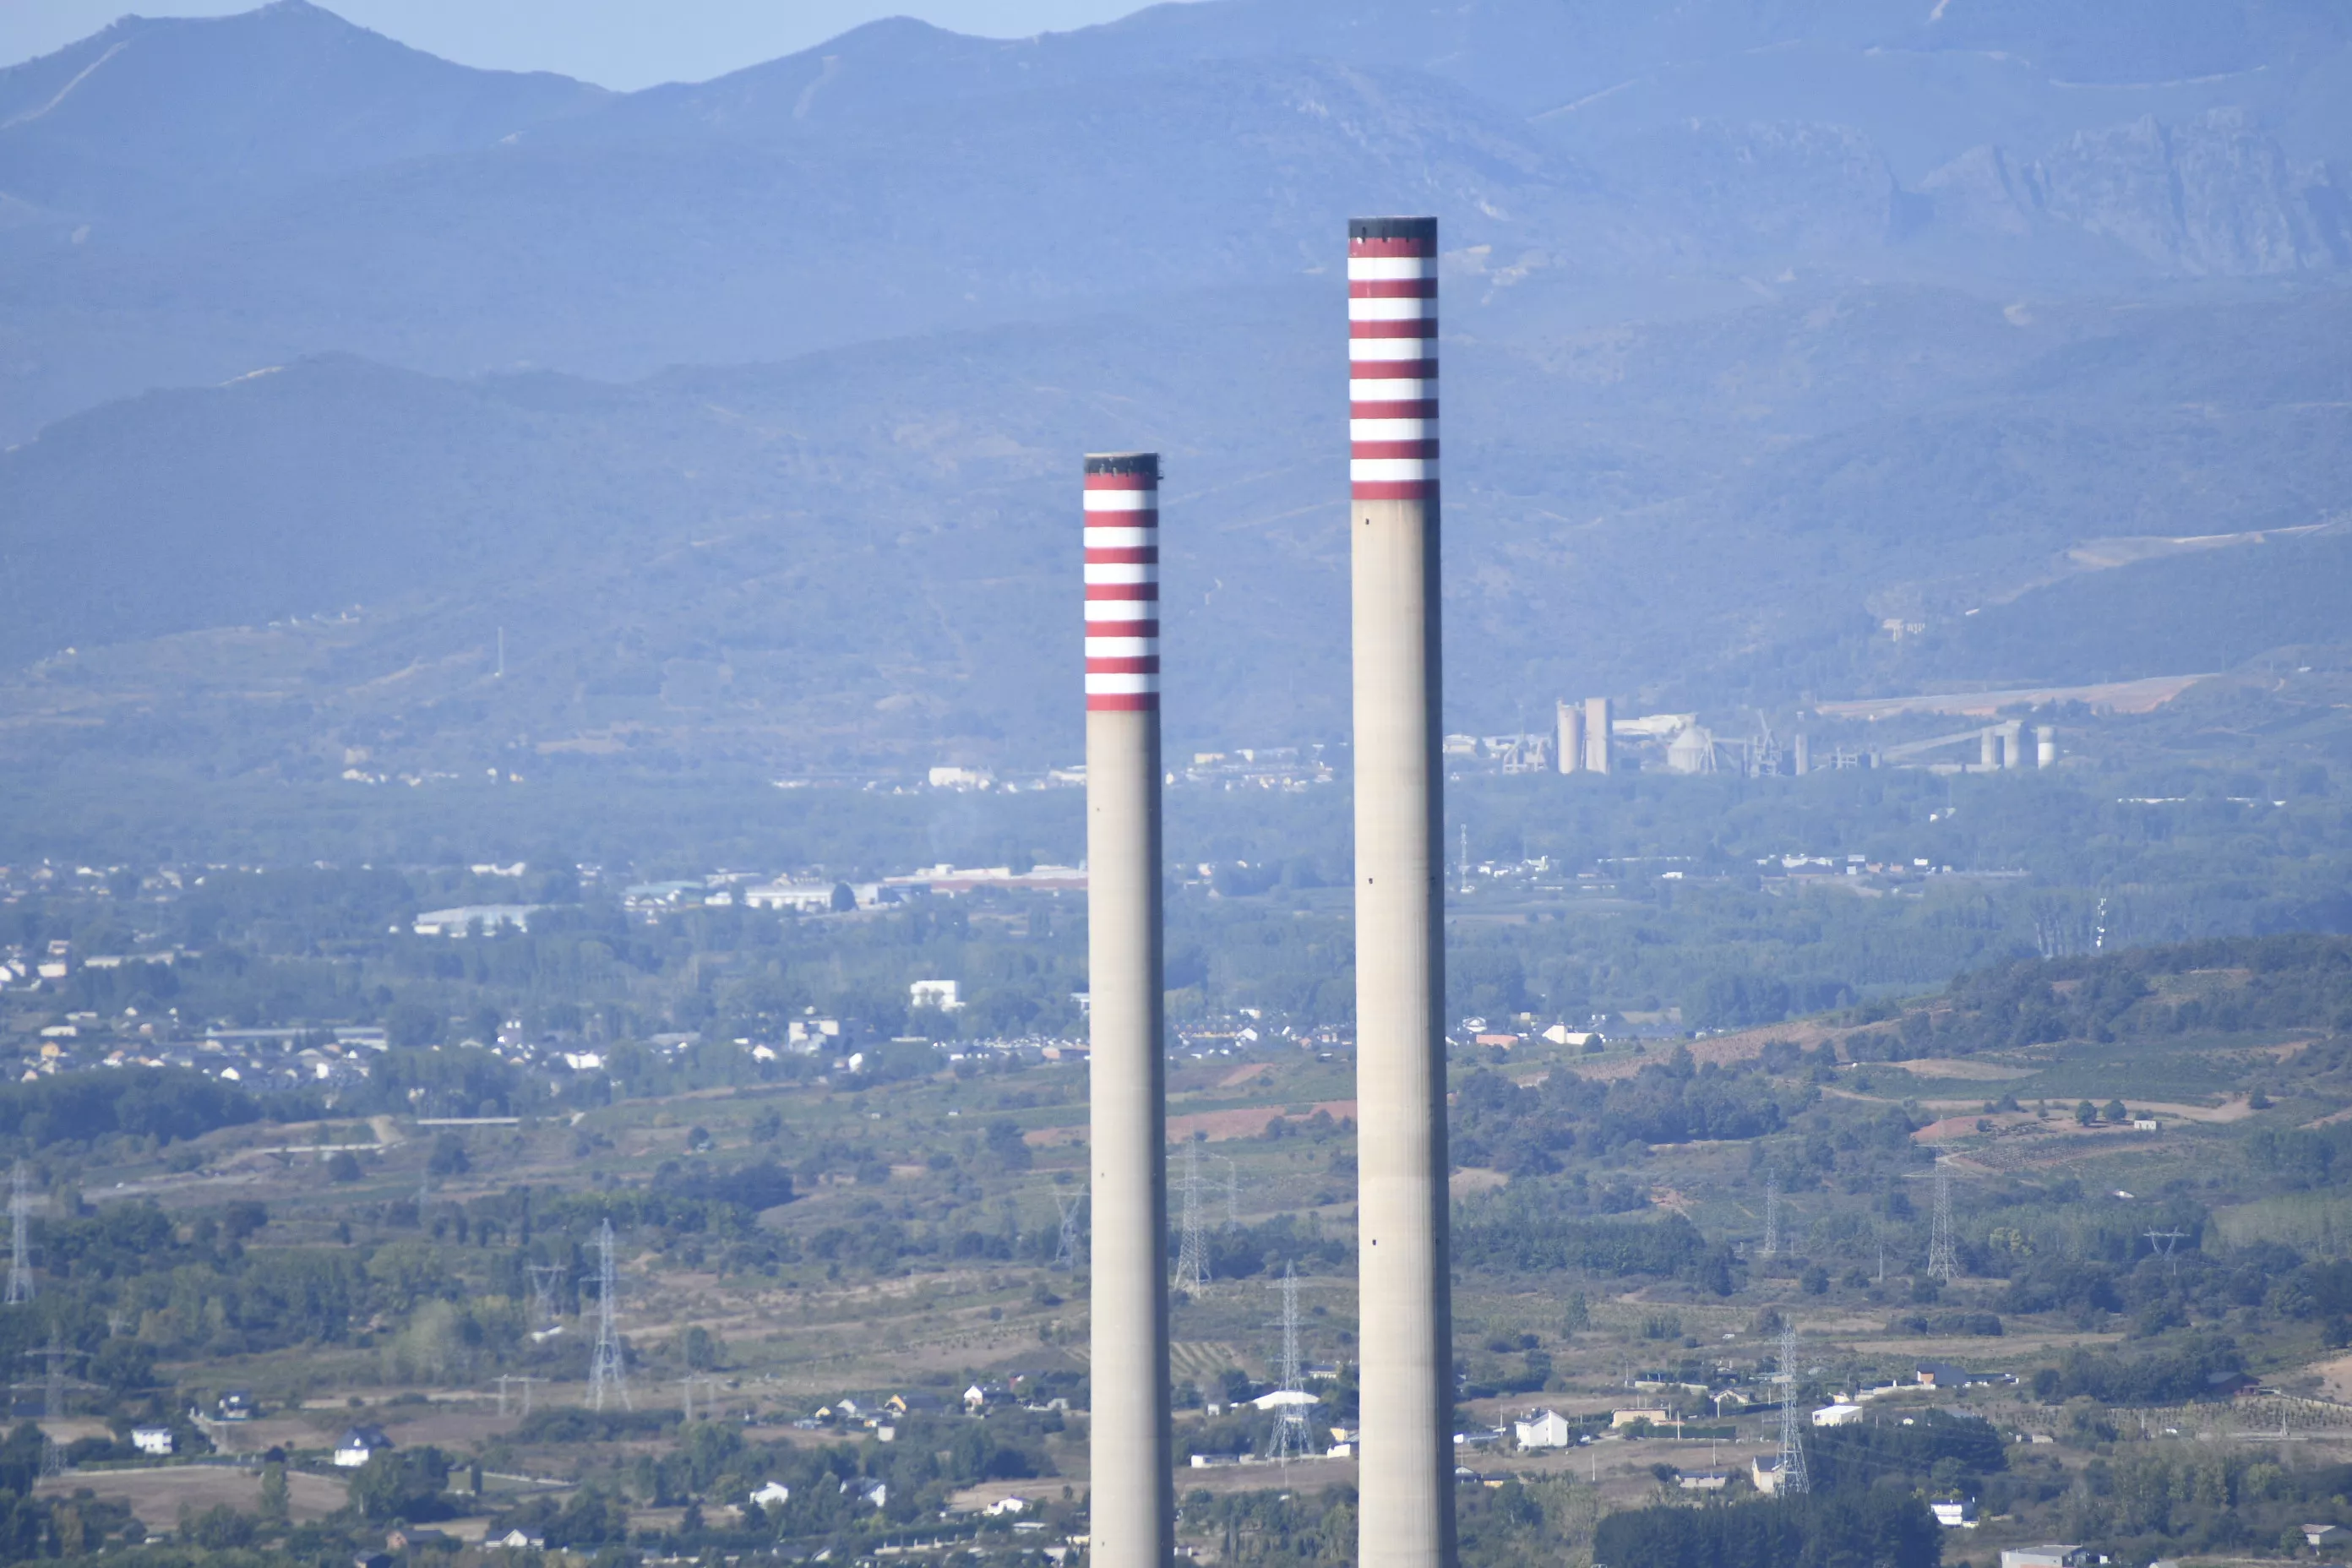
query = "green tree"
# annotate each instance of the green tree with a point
(402, 1483)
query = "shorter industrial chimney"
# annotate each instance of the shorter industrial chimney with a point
(2045, 746)
(1134, 1503)
(1803, 754)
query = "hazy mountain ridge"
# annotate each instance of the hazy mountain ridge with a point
(866, 554)
(353, 194)
(153, 116)
(951, 262)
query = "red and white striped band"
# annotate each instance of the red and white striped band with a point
(1393, 358)
(1122, 501)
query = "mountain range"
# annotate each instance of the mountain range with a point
(747, 407)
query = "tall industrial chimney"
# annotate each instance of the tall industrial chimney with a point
(1406, 1480)
(2013, 745)
(1571, 738)
(1802, 756)
(1133, 1501)
(1988, 746)
(1598, 735)
(2045, 746)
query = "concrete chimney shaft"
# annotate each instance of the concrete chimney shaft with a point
(1132, 1487)
(1406, 1476)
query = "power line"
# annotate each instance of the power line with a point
(1771, 1214)
(606, 1372)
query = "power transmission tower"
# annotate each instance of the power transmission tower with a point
(1943, 1256)
(607, 1373)
(515, 1378)
(20, 1255)
(1233, 1196)
(1192, 1248)
(1792, 1482)
(543, 1277)
(1291, 1436)
(686, 1385)
(2162, 1242)
(1771, 1215)
(1065, 1254)
(1465, 857)
(53, 1387)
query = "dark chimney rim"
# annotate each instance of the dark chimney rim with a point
(1394, 229)
(1144, 463)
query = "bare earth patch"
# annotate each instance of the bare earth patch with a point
(156, 1495)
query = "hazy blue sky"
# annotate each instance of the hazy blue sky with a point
(615, 43)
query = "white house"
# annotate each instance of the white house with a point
(1005, 1505)
(808, 897)
(1766, 1474)
(2047, 1556)
(1284, 1399)
(1838, 1414)
(359, 1445)
(1544, 1430)
(1961, 1515)
(772, 1494)
(467, 919)
(155, 1440)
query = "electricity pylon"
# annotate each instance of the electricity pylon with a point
(1792, 1480)
(20, 1255)
(543, 1277)
(1771, 1215)
(606, 1374)
(1943, 1254)
(1292, 1437)
(1065, 1254)
(1192, 1246)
